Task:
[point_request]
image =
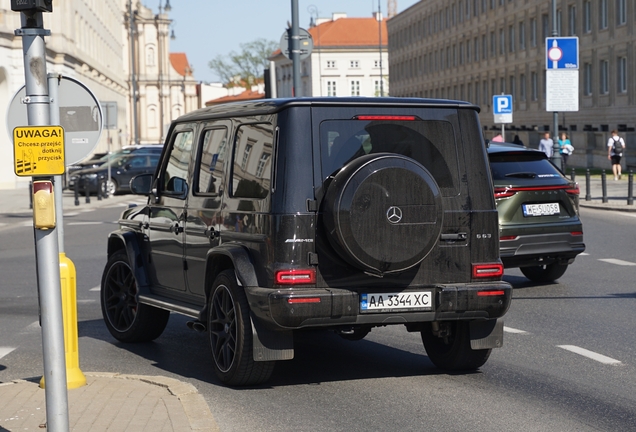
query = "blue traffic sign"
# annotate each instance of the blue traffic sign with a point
(502, 104)
(562, 52)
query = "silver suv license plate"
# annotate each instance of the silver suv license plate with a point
(405, 301)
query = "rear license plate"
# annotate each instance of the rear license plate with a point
(547, 209)
(405, 301)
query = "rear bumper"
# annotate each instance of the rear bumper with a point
(337, 307)
(539, 249)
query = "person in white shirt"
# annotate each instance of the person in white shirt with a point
(546, 145)
(615, 148)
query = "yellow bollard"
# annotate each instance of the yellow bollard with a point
(74, 376)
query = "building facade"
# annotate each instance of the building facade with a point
(349, 58)
(474, 49)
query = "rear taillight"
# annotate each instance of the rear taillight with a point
(507, 238)
(490, 270)
(574, 190)
(295, 277)
(303, 300)
(490, 293)
(504, 192)
(576, 233)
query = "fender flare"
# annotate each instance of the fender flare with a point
(137, 256)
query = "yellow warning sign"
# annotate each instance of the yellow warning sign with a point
(38, 150)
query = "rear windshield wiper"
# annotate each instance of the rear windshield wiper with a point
(522, 174)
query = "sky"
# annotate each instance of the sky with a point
(207, 28)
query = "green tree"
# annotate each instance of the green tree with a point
(245, 68)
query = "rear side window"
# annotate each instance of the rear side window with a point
(431, 143)
(521, 165)
(252, 161)
(209, 173)
(176, 173)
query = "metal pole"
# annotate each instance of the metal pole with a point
(588, 195)
(556, 153)
(54, 119)
(380, 45)
(46, 250)
(133, 72)
(295, 49)
(630, 188)
(604, 186)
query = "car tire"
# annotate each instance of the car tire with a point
(544, 273)
(356, 211)
(454, 352)
(112, 187)
(127, 319)
(230, 334)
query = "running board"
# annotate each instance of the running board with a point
(173, 305)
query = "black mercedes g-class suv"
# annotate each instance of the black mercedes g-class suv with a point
(269, 217)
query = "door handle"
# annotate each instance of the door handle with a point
(176, 228)
(211, 233)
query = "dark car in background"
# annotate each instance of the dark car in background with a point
(122, 170)
(98, 159)
(539, 226)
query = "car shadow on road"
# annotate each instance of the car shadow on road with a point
(320, 356)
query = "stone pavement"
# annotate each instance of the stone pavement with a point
(616, 193)
(109, 402)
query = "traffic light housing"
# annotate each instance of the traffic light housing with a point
(32, 5)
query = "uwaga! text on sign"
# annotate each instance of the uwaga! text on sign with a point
(38, 150)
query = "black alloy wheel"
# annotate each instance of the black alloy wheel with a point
(230, 333)
(126, 319)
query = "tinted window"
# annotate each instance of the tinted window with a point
(209, 171)
(176, 172)
(521, 165)
(251, 172)
(431, 143)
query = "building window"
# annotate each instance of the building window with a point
(587, 79)
(355, 88)
(621, 12)
(377, 63)
(476, 49)
(511, 38)
(262, 163)
(621, 80)
(522, 87)
(331, 64)
(484, 47)
(602, 14)
(354, 64)
(331, 88)
(493, 45)
(572, 20)
(513, 87)
(485, 100)
(587, 16)
(502, 42)
(534, 86)
(545, 25)
(533, 32)
(522, 35)
(604, 77)
(502, 85)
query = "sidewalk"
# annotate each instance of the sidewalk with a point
(617, 192)
(109, 402)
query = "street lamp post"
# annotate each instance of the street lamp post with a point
(162, 33)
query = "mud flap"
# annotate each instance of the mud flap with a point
(269, 345)
(486, 334)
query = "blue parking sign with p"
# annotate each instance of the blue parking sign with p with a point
(502, 108)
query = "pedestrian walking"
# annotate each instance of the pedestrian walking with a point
(517, 140)
(546, 144)
(615, 149)
(565, 148)
(497, 138)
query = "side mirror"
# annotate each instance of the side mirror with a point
(177, 187)
(141, 184)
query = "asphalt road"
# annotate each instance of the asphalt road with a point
(568, 361)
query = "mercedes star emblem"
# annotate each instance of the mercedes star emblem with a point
(394, 214)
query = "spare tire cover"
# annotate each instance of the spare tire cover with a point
(383, 212)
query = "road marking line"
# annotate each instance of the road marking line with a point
(589, 354)
(5, 350)
(86, 301)
(514, 330)
(95, 289)
(85, 223)
(617, 262)
(70, 214)
(584, 253)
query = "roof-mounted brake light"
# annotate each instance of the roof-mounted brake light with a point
(386, 117)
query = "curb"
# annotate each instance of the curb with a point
(194, 405)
